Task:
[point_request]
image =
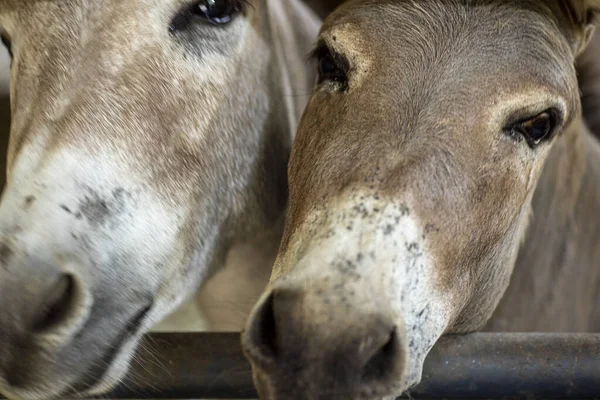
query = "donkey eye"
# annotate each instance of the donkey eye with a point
(219, 12)
(535, 130)
(332, 67)
(327, 67)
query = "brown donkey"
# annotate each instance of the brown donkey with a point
(442, 149)
(149, 138)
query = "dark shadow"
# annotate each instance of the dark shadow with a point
(4, 112)
(323, 7)
(4, 134)
(588, 69)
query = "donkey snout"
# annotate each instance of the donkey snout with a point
(43, 306)
(56, 303)
(303, 343)
(39, 298)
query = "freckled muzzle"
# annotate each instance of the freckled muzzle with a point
(354, 308)
(82, 275)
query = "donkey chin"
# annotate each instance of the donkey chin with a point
(85, 271)
(356, 310)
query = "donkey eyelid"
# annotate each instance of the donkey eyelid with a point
(523, 116)
(322, 48)
(186, 15)
(525, 106)
(323, 51)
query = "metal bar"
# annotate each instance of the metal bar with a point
(473, 366)
(533, 366)
(483, 365)
(188, 366)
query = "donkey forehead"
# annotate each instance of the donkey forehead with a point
(110, 72)
(442, 66)
(459, 43)
(130, 24)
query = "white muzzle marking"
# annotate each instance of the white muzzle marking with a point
(379, 249)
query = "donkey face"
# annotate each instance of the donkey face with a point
(141, 130)
(411, 181)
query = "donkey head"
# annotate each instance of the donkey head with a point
(141, 130)
(411, 182)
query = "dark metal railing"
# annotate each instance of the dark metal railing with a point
(483, 365)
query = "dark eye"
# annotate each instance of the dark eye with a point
(6, 43)
(327, 67)
(332, 67)
(535, 130)
(219, 12)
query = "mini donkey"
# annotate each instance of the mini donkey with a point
(149, 137)
(438, 131)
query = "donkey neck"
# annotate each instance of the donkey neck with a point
(555, 285)
(293, 28)
(290, 29)
(255, 231)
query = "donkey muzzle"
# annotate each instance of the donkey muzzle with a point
(310, 345)
(54, 333)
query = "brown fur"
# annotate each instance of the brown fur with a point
(555, 286)
(431, 85)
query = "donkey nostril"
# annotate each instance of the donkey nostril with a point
(384, 362)
(57, 304)
(262, 333)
